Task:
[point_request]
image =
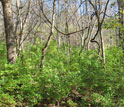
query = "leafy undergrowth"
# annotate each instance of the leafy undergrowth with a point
(79, 81)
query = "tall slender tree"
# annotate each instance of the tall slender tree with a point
(8, 24)
(121, 20)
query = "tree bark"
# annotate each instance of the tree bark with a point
(57, 25)
(8, 24)
(100, 33)
(50, 35)
(121, 20)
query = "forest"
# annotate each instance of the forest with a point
(61, 53)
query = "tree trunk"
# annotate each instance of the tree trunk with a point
(102, 45)
(8, 24)
(57, 25)
(50, 35)
(121, 20)
(100, 33)
(67, 30)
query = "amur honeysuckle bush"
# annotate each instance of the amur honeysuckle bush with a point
(23, 84)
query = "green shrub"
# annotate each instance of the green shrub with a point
(23, 83)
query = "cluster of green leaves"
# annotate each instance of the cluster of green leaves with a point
(23, 84)
(103, 85)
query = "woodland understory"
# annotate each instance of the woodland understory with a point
(61, 53)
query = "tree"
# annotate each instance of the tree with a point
(97, 9)
(121, 20)
(51, 32)
(8, 24)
